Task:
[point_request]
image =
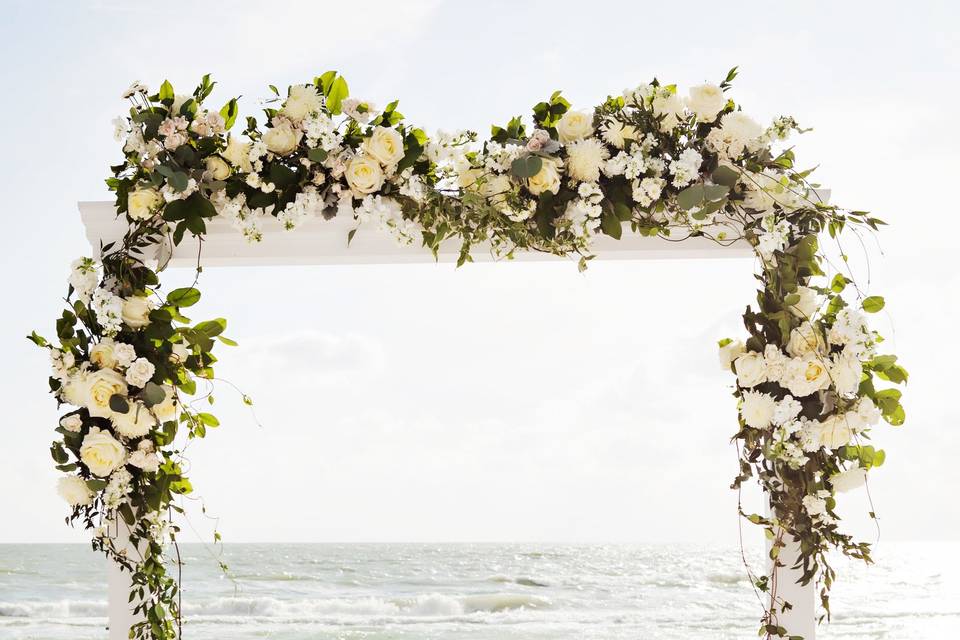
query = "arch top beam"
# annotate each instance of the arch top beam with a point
(324, 242)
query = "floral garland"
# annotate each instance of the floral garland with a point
(129, 361)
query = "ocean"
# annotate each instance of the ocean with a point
(478, 592)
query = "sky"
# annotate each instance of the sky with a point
(497, 402)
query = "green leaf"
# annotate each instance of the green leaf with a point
(611, 225)
(714, 192)
(690, 197)
(96, 484)
(208, 419)
(119, 403)
(873, 304)
(839, 283)
(59, 455)
(725, 175)
(281, 175)
(896, 417)
(229, 113)
(184, 297)
(153, 394)
(317, 155)
(166, 92)
(526, 166)
(338, 91)
(178, 180)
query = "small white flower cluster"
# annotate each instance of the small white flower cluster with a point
(247, 221)
(773, 236)
(108, 308)
(386, 214)
(686, 168)
(308, 204)
(582, 215)
(145, 457)
(118, 488)
(84, 278)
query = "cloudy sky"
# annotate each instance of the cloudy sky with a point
(498, 401)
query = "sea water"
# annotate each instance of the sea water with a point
(478, 592)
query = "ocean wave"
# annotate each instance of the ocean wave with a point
(433, 605)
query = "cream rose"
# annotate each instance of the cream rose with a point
(574, 125)
(804, 340)
(75, 491)
(706, 101)
(102, 354)
(136, 311)
(135, 423)
(179, 352)
(548, 179)
(806, 376)
(836, 431)
(730, 352)
(364, 175)
(143, 203)
(101, 452)
(282, 138)
(751, 369)
(238, 154)
(808, 304)
(217, 168)
(100, 386)
(386, 145)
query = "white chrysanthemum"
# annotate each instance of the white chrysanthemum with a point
(135, 423)
(75, 491)
(786, 411)
(757, 409)
(617, 133)
(302, 101)
(815, 506)
(846, 371)
(585, 158)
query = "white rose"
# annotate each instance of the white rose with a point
(386, 145)
(804, 340)
(238, 154)
(302, 101)
(102, 354)
(730, 352)
(101, 452)
(706, 101)
(72, 422)
(836, 431)
(669, 105)
(364, 175)
(282, 138)
(100, 386)
(124, 353)
(496, 188)
(139, 372)
(75, 491)
(574, 125)
(217, 168)
(584, 159)
(135, 423)
(136, 311)
(142, 203)
(846, 371)
(806, 376)
(548, 179)
(849, 479)
(751, 369)
(757, 409)
(808, 304)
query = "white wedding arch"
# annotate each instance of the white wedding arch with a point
(647, 174)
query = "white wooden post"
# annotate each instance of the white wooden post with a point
(325, 242)
(801, 619)
(120, 616)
